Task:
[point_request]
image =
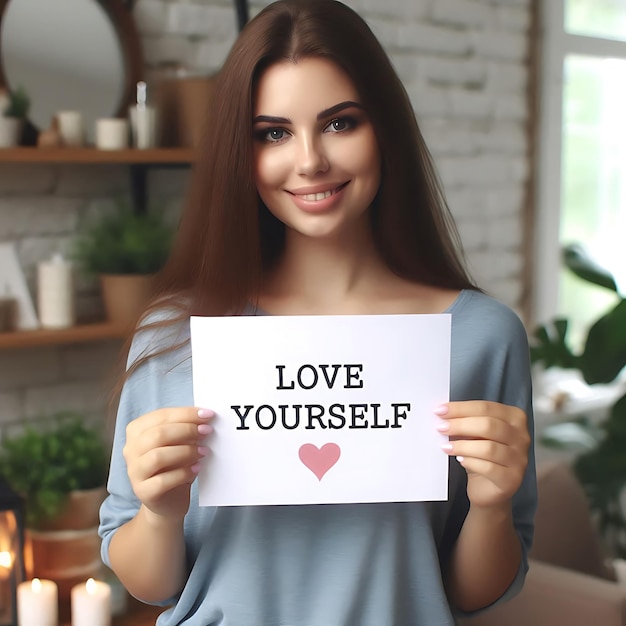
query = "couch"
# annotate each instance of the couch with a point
(570, 581)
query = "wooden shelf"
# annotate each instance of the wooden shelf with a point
(163, 156)
(77, 334)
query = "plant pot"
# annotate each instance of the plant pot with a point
(67, 557)
(66, 549)
(81, 511)
(10, 131)
(125, 296)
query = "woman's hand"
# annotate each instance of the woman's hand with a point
(491, 441)
(162, 452)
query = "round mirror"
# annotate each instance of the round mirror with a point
(70, 55)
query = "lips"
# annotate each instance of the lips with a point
(318, 199)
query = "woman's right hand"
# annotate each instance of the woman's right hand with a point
(162, 452)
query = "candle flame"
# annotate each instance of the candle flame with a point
(36, 585)
(91, 586)
(6, 560)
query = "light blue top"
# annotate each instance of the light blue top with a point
(329, 565)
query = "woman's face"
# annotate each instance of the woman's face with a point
(317, 162)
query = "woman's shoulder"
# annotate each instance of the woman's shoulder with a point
(482, 315)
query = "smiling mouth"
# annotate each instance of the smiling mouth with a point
(314, 197)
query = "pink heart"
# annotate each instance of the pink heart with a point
(319, 460)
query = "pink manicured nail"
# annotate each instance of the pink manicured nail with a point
(460, 459)
(206, 413)
(441, 410)
(447, 447)
(205, 429)
(203, 450)
(195, 468)
(443, 426)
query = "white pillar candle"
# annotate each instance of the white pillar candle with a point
(37, 603)
(91, 604)
(55, 291)
(111, 133)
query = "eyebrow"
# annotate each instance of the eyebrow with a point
(348, 104)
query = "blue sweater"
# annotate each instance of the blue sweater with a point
(329, 565)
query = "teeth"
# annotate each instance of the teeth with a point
(317, 196)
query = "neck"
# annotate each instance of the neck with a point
(320, 272)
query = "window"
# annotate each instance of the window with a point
(582, 169)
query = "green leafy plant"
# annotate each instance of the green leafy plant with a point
(601, 461)
(45, 464)
(18, 103)
(124, 242)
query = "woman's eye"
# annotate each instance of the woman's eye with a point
(340, 124)
(273, 135)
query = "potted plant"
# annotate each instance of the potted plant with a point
(601, 461)
(14, 106)
(125, 249)
(60, 470)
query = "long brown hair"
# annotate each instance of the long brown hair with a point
(227, 238)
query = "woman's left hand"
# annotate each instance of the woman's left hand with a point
(491, 441)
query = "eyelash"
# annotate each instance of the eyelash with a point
(263, 134)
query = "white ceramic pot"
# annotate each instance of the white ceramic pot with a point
(10, 131)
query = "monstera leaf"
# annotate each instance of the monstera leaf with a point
(577, 260)
(604, 355)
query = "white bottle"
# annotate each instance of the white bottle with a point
(143, 120)
(55, 291)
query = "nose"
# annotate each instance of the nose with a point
(311, 158)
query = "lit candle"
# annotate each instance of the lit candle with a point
(91, 604)
(6, 562)
(37, 603)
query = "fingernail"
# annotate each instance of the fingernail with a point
(441, 410)
(460, 459)
(203, 450)
(205, 429)
(206, 413)
(195, 468)
(443, 426)
(447, 447)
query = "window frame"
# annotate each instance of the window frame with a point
(556, 45)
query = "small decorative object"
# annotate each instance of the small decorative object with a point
(125, 249)
(51, 137)
(13, 285)
(71, 128)
(55, 291)
(37, 602)
(11, 552)
(143, 120)
(111, 133)
(91, 604)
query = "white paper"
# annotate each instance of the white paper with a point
(398, 366)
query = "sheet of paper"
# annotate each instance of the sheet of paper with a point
(322, 409)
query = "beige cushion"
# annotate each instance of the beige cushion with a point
(564, 531)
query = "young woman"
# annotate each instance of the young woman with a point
(314, 194)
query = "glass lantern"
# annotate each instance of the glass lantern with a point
(11, 552)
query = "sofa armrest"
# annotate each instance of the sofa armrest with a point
(554, 595)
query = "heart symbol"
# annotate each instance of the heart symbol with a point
(319, 460)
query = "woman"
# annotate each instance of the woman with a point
(314, 194)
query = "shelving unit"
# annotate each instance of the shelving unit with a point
(139, 163)
(81, 333)
(161, 157)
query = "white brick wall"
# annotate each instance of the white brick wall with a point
(463, 64)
